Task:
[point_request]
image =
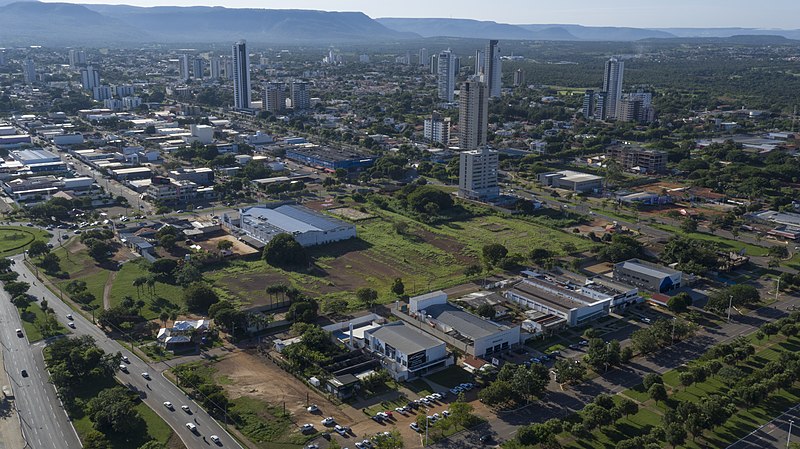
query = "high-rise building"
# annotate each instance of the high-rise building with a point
(101, 93)
(29, 71)
(241, 75)
(588, 104)
(434, 64)
(363, 58)
(492, 69)
(198, 68)
(301, 97)
(479, 62)
(274, 97)
(214, 66)
(612, 85)
(636, 107)
(477, 174)
(519, 78)
(2, 58)
(424, 60)
(129, 103)
(90, 78)
(123, 90)
(437, 129)
(183, 67)
(77, 58)
(473, 114)
(446, 75)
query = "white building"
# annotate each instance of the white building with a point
(492, 69)
(446, 76)
(129, 103)
(241, 75)
(90, 78)
(612, 86)
(101, 93)
(29, 71)
(183, 67)
(437, 129)
(405, 351)
(202, 133)
(301, 97)
(477, 177)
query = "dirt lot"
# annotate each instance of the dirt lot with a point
(239, 248)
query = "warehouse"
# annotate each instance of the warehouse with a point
(309, 228)
(34, 156)
(647, 275)
(329, 158)
(405, 351)
(571, 180)
(542, 294)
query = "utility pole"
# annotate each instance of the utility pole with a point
(789, 437)
(730, 305)
(673, 328)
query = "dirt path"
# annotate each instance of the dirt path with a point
(107, 290)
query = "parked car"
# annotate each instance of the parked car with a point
(312, 408)
(123, 368)
(306, 428)
(340, 430)
(329, 421)
(414, 426)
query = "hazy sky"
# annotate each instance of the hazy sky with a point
(636, 13)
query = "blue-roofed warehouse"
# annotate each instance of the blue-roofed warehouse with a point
(647, 275)
(259, 224)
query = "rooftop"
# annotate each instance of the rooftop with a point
(531, 290)
(646, 268)
(463, 322)
(405, 339)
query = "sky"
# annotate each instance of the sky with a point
(634, 13)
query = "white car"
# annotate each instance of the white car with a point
(123, 368)
(312, 446)
(71, 324)
(400, 409)
(69, 316)
(328, 421)
(414, 427)
(446, 413)
(306, 428)
(214, 439)
(191, 427)
(186, 408)
(125, 359)
(168, 405)
(146, 375)
(340, 430)
(312, 408)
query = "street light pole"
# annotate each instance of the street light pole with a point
(730, 305)
(789, 437)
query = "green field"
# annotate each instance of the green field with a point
(15, 239)
(33, 313)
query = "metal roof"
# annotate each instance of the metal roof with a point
(465, 323)
(647, 269)
(405, 339)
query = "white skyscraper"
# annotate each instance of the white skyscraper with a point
(612, 85)
(215, 67)
(29, 71)
(77, 58)
(437, 129)
(241, 75)
(478, 62)
(424, 59)
(477, 174)
(473, 114)
(183, 62)
(90, 78)
(492, 69)
(446, 75)
(301, 97)
(198, 68)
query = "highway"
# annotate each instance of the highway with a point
(41, 411)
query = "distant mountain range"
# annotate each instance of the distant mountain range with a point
(31, 22)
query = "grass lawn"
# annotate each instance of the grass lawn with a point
(123, 286)
(451, 376)
(266, 425)
(29, 318)
(724, 243)
(15, 239)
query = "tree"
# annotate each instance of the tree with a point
(168, 242)
(689, 225)
(163, 266)
(153, 444)
(569, 372)
(595, 416)
(473, 270)
(164, 316)
(627, 407)
(284, 251)
(96, 440)
(736, 295)
(686, 378)
(113, 410)
(540, 255)
(657, 392)
(367, 296)
(622, 247)
(530, 382)
(498, 392)
(391, 441)
(680, 302)
(199, 297)
(493, 253)
(336, 307)
(461, 412)
(50, 263)
(16, 288)
(304, 311)
(398, 288)
(99, 250)
(651, 379)
(486, 310)
(38, 248)
(224, 245)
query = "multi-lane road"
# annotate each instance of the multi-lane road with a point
(44, 422)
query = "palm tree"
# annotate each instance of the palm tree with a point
(138, 283)
(151, 284)
(164, 317)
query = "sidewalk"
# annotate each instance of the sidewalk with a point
(10, 431)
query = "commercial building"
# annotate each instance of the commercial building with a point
(127, 174)
(301, 97)
(241, 75)
(309, 228)
(170, 190)
(437, 129)
(473, 114)
(34, 156)
(639, 159)
(571, 180)
(612, 85)
(541, 294)
(647, 275)
(492, 69)
(203, 176)
(405, 351)
(477, 177)
(446, 76)
(478, 337)
(274, 98)
(330, 158)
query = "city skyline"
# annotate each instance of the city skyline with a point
(779, 14)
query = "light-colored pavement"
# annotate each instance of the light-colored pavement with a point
(10, 424)
(154, 391)
(774, 434)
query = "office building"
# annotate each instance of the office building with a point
(29, 71)
(639, 159)
(77, 58)
(588, 104)
(477, 174)
(274, 97)
(405, 351)
(612, 85)
(214, 66)
(241, 75)
(492, 69)
(542, 294)
(519, 78)
(647, 275)
(424, 59)
(90, 78)
(437, 129)
(301, 97)
(571, 180)
(183, 67)
(198, 68)
(473, 118)
(446, 76)
(479, 62)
